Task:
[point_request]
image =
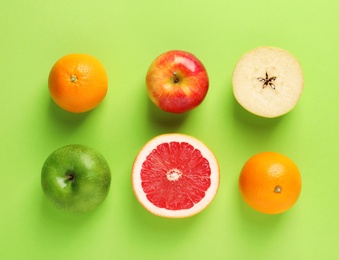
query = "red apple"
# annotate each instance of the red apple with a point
(177, 81)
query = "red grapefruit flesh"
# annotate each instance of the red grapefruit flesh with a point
(175, 176)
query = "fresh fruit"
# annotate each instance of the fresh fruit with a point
(270, 182)
(76, 178)
(177, 81)
(268, 81)
(175, 176)
(78, 82)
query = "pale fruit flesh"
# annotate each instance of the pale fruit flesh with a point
(268, 81)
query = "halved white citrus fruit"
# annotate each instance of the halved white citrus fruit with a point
(268, 81)
(175, 176)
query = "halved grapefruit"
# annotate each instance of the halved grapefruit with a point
(175, 176)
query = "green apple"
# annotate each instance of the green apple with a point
(76, 178)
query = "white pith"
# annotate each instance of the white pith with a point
(147, 149)
(268, 102)
(173, 175)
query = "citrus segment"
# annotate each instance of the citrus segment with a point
(175, 175)
(270, 182)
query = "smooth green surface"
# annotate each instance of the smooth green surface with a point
(126, 36)
(76, 178)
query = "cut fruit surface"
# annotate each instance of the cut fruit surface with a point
(175, 175)
(268, 81)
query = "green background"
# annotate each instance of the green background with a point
(126, 36)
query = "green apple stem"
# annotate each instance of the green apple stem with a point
(70, 176)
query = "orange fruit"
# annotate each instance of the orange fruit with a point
(270, 182)
(175, 176)
(78, 82)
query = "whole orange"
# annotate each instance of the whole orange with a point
(270, 182)
(78, 82)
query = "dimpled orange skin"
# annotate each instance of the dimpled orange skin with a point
(270, 182)
(78, 82)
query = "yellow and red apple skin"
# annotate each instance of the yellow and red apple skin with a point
(177, 81)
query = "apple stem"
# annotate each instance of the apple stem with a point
(175, 77)
(70, 176)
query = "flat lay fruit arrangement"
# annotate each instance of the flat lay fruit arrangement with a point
(145, 130)
(176, 175)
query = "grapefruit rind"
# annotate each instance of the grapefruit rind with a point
(182, 213)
